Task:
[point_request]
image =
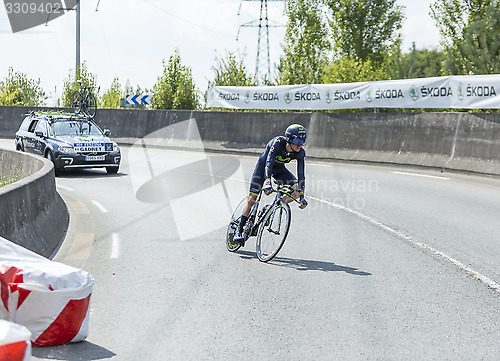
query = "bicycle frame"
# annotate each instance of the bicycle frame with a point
(255, 227)
(281, 192)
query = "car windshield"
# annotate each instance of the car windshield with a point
(75, 128)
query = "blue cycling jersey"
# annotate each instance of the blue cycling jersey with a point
(275, 156)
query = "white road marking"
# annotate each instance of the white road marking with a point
(115, 250)
(421, 175)
(100, 206)
(462, 266)
(65, 188)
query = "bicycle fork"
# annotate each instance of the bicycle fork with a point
(271, 219)
(270, 229)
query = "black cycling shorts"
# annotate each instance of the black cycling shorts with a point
(280, 173)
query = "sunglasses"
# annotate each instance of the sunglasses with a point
(298, 141)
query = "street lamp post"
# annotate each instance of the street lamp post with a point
(77, 68)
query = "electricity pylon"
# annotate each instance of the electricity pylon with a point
(263, 60)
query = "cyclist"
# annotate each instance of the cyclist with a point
(279, 151)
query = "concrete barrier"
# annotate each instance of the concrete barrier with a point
(32, 214)
(454, 141)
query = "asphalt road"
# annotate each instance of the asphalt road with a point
(385, 264)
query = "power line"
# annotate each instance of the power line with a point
(184, 19)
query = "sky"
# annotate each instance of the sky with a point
(129, 39)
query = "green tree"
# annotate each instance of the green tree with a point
(306, 46)
(129, 89)
(365, 29)
(480, 47)
(74, 82)
(455, 19)
(111, 97)
(175, 88)
(17, 89)
(349, 69)
(231, 71)
(421, 63)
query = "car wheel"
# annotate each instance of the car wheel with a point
(112, 170)
(19, 146)
(50, 157)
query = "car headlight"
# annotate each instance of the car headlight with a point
(67, 150)
(115, 147)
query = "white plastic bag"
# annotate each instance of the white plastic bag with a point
(51, 299)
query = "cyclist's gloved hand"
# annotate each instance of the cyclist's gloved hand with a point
(267, 188)
(303, 202)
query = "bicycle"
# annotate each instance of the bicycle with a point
(271, 224)
(84, 101)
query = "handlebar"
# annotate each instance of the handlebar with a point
(286, 190)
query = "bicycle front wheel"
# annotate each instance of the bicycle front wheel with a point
(273, 231)
(75, 101)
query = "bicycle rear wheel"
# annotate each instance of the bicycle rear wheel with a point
(273, 232)
(91, 105)
(233, 227)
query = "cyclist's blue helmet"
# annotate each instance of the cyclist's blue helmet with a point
(296, 134)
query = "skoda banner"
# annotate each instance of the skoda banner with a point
(462, 92)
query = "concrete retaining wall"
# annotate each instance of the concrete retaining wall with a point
(32, 214)
(459, 141)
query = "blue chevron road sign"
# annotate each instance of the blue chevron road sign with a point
(138, 99)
